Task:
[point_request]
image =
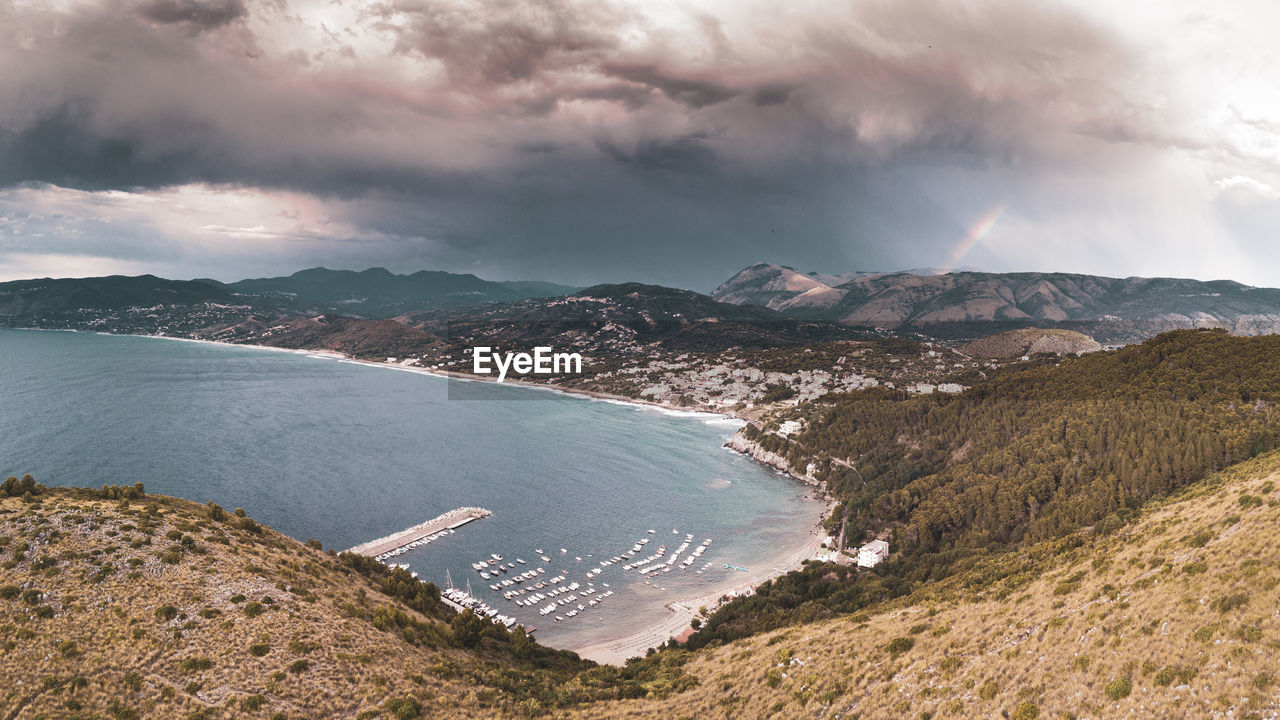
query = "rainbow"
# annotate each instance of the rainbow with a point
(975, 235)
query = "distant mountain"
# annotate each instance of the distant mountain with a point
(782, 288)
(379, 293)
(973, 304)
(618, 319)
(44, 297)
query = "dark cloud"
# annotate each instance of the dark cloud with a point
(772, 94)
(504, 41)
(60, 148)
(688, 154)
(199, 15)
(584, 139)
(692, 91)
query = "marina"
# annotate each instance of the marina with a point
(555, 596)
(421, 534)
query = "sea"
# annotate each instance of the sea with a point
(343, 452)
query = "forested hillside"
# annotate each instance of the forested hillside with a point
(1028, 455)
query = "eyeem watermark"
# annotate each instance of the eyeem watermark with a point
(542, 361)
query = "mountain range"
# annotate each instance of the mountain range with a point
(971, 304)
(379, 293)
(375, 293)
(762, 299)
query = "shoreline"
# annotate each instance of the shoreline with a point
(618, 650)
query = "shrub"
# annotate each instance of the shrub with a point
(899, 645)
(1118, 689)
(166, 612)
(1249, 633)
(259, 649)
(1165, 677)
(1227, 603)
(950, 664)
(195, 664)
(297, 667)
(252, 703)
(1264, 681)
(1026, 711)
(403, 708)
(252, 609)
(989, 690)
(9, 592)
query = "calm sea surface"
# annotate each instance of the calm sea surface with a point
(344, 453)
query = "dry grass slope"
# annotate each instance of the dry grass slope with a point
(1173, 616)
(153, 608)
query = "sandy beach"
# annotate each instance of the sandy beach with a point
(616, 652)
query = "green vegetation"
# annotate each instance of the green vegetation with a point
(1029, 455)
(1118, 689)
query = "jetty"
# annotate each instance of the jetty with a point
(448, 521)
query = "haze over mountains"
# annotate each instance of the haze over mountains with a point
(969, 303)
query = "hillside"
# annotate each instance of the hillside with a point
(146, 303)
(1171, 616)
(378, 293)
(1035, 452)
(625, 319)
(1031, 341)
(973, 304)
(125, 605)
(34, 300)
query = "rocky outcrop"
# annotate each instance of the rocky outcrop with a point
(752, 449)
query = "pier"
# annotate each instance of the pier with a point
(448, 521)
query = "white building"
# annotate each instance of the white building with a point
(872, 553)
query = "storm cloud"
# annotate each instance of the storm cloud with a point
(590, 141)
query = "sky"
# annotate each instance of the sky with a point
(657, 141)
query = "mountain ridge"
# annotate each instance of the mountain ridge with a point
(969, 304)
